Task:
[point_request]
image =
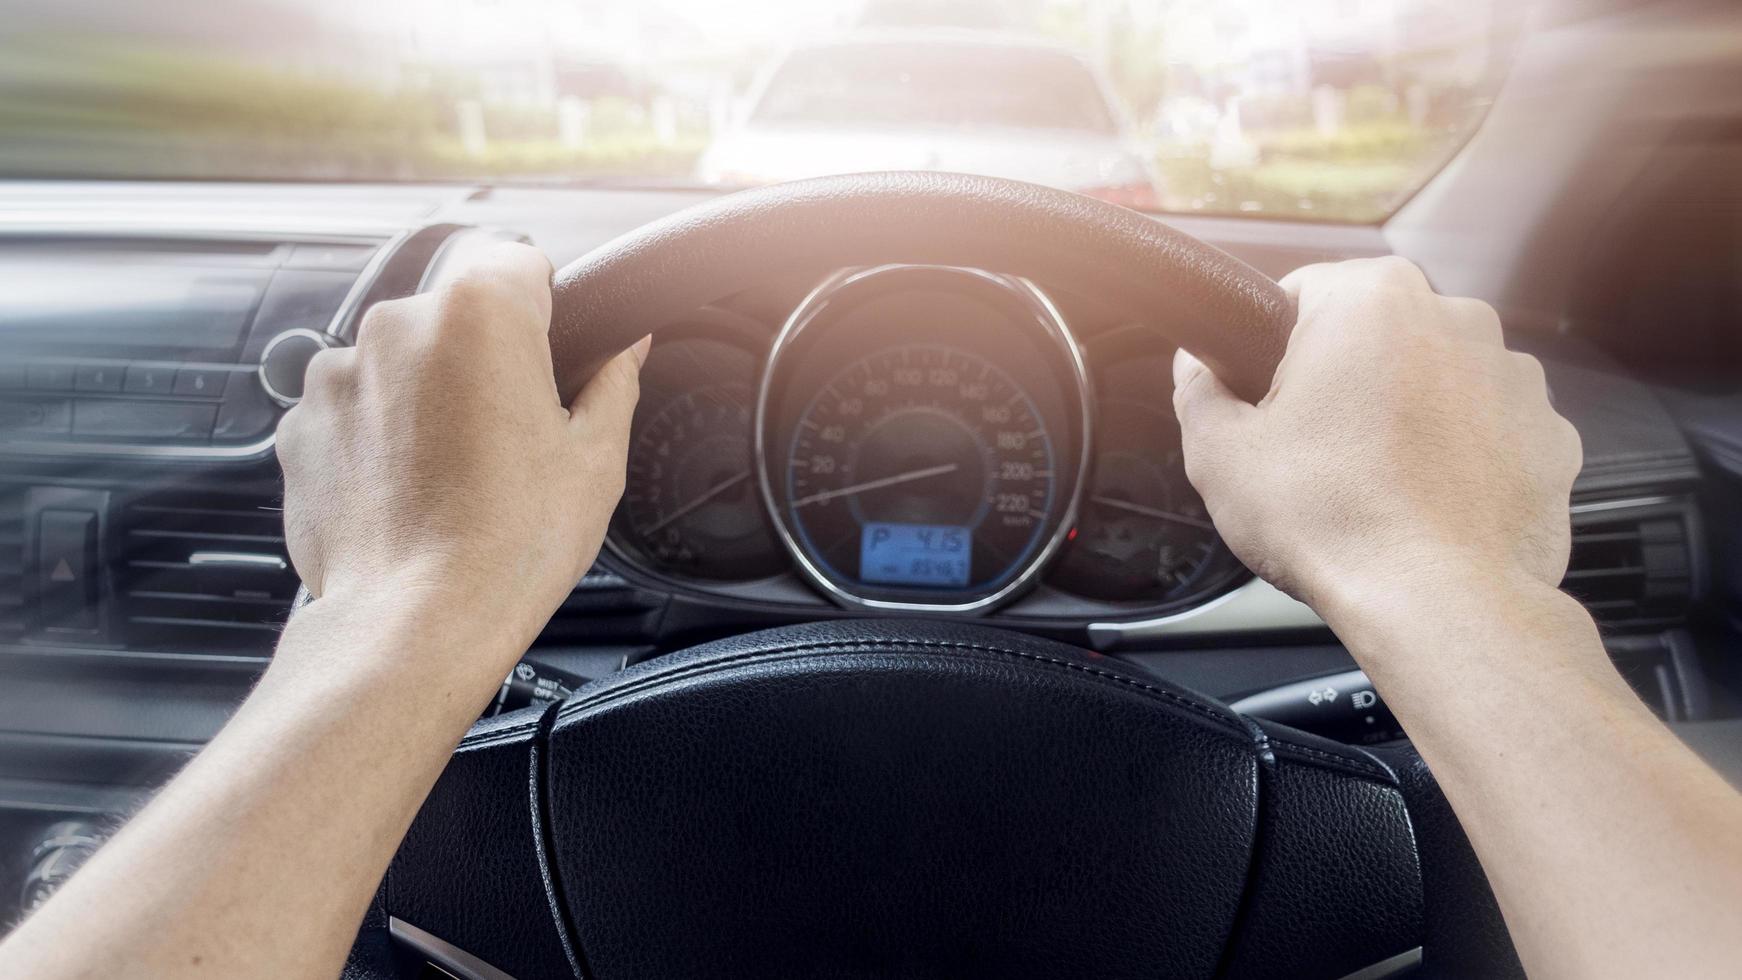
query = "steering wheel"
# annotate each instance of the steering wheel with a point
(919, 798)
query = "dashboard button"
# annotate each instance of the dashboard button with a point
(66, 554)
(143, 420)
(202, 382)
(50, 377)
(35, 418)
(149, 379)
(99, 377)
(245, 415)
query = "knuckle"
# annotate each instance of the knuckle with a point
(1478, 316)
(463, 299)
(382, 320)
(288, 438)
(1531, 370)
(329, 371)
(1394, 270)
(1572, 443)
(523, 254)
(1396, 265)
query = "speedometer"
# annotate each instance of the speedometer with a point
(921, 467)
(920, 437)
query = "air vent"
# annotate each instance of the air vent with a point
(11, 563)
(1633, 563)
(204, 573)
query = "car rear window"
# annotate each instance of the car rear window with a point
(946, 86)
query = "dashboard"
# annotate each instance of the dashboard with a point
(910, 441)
(918, 439)
(897, 441)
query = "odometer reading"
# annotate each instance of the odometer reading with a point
(921, 467)
(915, 554)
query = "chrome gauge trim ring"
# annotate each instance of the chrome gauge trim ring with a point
(1047, 316)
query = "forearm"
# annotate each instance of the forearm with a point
(1613, 850)
(261, 857)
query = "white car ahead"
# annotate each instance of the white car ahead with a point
(984, 104)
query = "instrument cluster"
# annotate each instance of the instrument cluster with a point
(922, 439)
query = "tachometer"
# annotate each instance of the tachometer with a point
(1142, 532)
(690, 505)
(1143, 535)
(921, 467)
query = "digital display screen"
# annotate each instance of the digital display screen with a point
(915, 554)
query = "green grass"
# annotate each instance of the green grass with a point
(1359, 175)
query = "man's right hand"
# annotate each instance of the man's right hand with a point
(1400, 446)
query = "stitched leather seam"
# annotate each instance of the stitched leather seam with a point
(837, 646)
(1354, 765)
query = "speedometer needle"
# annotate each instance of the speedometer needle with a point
(689, 508)
(1160, 515)
(888, 481)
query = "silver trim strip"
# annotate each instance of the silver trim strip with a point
(1049, 318)
(366, 281)
(443, 953)
(1391, 966)
(1257, 606)
(1254, 607)
(390, 243)
(238, 559)
(1623, 503)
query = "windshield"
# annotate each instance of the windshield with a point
(1324, 109)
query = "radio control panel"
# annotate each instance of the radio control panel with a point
(179, 347)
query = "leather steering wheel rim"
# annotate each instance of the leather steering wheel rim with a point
(1233, 317)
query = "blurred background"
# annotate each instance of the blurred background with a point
(1322, 109)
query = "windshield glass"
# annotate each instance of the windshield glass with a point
(1324, 109)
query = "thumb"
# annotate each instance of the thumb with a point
(604, 407)
(1201, 400)
(1211, 416)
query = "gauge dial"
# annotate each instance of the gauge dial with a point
(1143, 535)
(1142, 531)
(921, 467)
(690, 505)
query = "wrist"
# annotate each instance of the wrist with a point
(1453, 614)
(412, 636)
(509, 607)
